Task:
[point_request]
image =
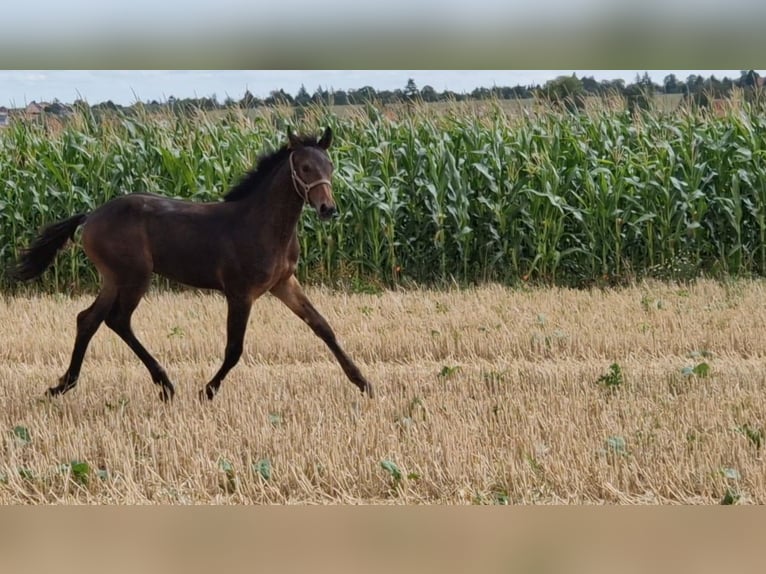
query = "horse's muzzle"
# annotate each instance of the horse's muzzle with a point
(326, 211)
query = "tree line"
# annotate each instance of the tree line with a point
(570, 90)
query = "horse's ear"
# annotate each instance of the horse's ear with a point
(293, 141)
(326, 140)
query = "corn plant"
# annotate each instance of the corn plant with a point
(461, 195)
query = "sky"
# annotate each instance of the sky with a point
(54, 17)
(125, 87)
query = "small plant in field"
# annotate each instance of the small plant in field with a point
(120, 405)
(732, 495)
(395, 473)
(500, 497)
(702, 368)
(176, 332)
(228, 480)
(22, 434)
(754, 435)
(494, 380)
(365, 310)
(78, 470)
(650, 303)
(417, 408)
(275, 419)
(448, 371)
(616, 445)
(262, 468)
(497, 496)
(26, 473)
(698, 370)
(392, 469)
(613, 379)
(363, 287)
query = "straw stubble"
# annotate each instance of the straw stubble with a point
(485, 396)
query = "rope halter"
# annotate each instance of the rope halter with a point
(299, 184)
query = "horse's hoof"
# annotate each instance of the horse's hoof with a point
(206, 394)
(367, 390)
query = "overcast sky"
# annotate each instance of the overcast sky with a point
(124, 87)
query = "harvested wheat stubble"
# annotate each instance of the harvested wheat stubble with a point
(487, 396)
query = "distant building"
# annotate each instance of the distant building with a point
(35, 109)
(4, 117)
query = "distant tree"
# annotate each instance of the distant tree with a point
(428, 94)
(321, 96)
(340, 98)
(279, 98)
(302, 98)
(671, 84)
(363, 95)
(566, 91)
(591, 86)
(610, 87)
(453, 96)
(411, 90)
(481, 94)
(387, 97)
(109, 105)
(248, 100)
(748, 79)
(640, 95)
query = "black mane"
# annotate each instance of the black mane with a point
(254, 179)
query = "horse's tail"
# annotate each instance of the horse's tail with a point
(37, 257)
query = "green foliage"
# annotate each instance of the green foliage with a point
(616, 445)
(228, 479)
(699, 370)
(392, 469)
(753, 434)
(731, 496)
(262, 467)
(79, 471)
(613, 379)
(397, 476)
(553, 197)
(22, 434)
(448, 371)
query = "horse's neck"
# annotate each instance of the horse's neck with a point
(280, 207)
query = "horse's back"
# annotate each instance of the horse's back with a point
(141, 233)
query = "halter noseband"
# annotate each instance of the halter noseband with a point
(299, 184)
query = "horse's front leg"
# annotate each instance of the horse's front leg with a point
(290, 293)
(236, 325)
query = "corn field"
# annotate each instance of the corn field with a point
(427, 198)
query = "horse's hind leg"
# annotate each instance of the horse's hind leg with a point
(88, 322)
(118, 320)
(236, 325)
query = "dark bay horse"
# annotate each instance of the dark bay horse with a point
(243, 246)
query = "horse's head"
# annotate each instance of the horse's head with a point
(311, 172)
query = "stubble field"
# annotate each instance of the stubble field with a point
(484, 396)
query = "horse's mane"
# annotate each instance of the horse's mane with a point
(255, 179)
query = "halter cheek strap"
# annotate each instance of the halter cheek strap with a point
(302, 185)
